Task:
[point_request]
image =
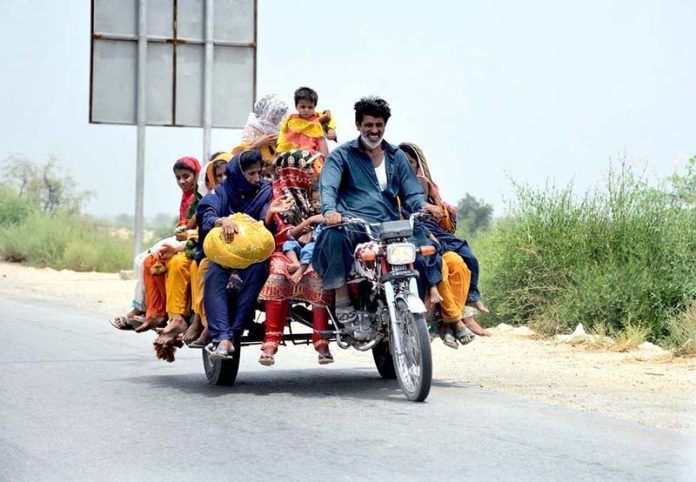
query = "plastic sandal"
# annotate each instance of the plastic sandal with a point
(449, 340)
(465, 336)
(325, 356)
(267, 358)
(120, 322)
(217, 352)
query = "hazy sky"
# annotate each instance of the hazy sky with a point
(492, 91)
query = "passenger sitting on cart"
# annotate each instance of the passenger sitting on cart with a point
(299, 249)
(295, 173)
(229, 296)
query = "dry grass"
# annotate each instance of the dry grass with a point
(630, 338)
(683, 332)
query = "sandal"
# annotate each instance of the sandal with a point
(449, 340)
(120, 322)
(217, 352)
(325, 356)
(465, 336)
(267, 358)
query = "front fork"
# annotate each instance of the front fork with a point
(413, 302)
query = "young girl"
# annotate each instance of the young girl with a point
(167, 270)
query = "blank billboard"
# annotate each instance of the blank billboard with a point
(175, 65)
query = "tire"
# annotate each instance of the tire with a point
(222, 372)
(414, 366)
(383, 360)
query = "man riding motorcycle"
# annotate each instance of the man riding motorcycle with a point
(364, 178)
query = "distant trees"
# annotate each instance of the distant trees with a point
(42, 185)
(473, 215)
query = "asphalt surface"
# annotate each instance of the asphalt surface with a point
(82, 401)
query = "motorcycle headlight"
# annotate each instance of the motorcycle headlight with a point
(401, 253)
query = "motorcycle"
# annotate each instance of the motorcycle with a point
(390, 314)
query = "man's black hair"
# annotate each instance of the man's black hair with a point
(250, 157)
(305, 93)
(372, 106)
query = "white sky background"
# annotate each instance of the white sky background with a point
(533, 91)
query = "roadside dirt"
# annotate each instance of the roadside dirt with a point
(647, 386)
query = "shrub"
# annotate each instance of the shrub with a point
(13, 209)
(65, 241)
(617, 257)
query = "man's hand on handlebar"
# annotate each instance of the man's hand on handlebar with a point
(333, 219)
(436, 211)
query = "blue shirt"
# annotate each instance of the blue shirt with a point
(349, 185)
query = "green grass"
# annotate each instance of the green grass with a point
(59, 240)
(622, 258)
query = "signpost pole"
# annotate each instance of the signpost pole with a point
(208, 81)
(141, 121)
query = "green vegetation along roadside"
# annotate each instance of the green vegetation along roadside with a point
(621, 260)
(42, 225)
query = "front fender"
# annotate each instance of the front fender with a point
(414, 303)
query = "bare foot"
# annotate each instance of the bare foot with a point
(293, 267)
(194, 331)
(150, 324)
(477, 329)
(435, 296)
(481, 307)
(204, 339)
(173, 331)
(175, 326)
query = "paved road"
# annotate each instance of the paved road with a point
(81, 401)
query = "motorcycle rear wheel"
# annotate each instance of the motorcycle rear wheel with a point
(222, 372)
(414, 366)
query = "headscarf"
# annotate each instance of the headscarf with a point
(188, 197)
(449, 221)
(266, 118)
(206, 175)
(237, 195)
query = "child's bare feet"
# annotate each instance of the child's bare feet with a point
(435, 296)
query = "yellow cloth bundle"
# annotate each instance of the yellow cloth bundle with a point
(252, 244)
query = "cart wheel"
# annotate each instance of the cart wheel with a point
(384, 360)
(222, 372)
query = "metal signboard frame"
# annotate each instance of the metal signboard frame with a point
(180, 63)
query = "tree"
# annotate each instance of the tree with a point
(45, 186)
(472, 215)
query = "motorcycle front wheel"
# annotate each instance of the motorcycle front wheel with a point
(414, 365)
